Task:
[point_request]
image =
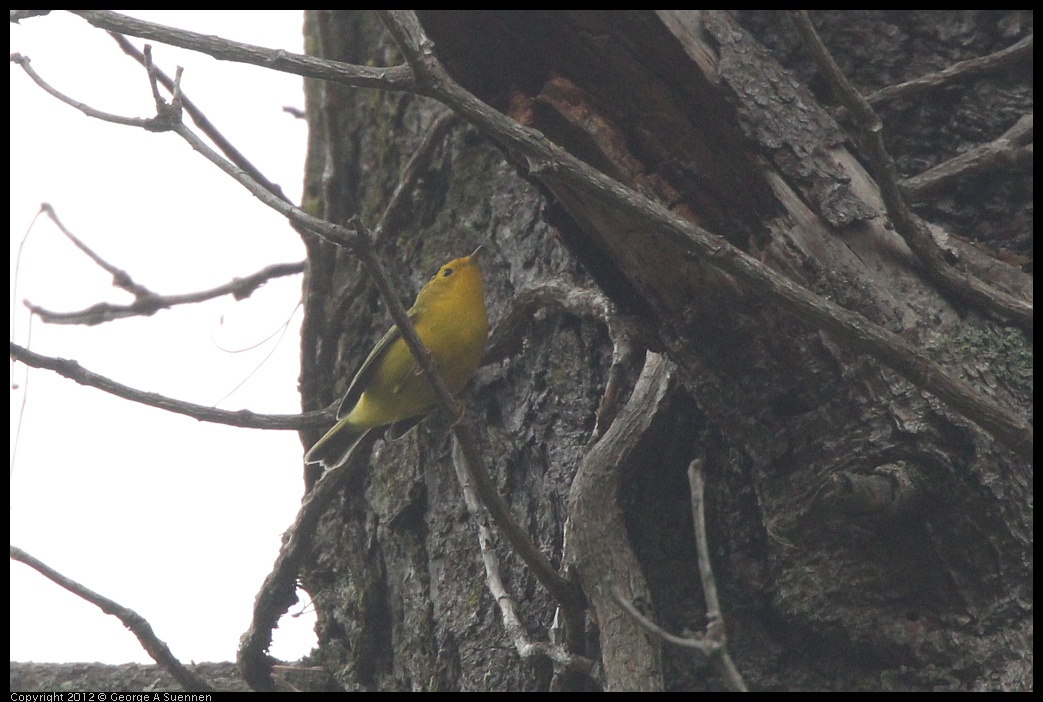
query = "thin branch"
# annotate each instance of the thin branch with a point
(137, 624)
(240, 288)
(395, 78)
(648, 625)
(715, 630)
(732, 678)
(854, 331)
(1013, 147)
(120, 277)
(23, 61)
(332, 233)
(146, 302)
(168, 116)
(205, 125)
(1020, 52)
(911, 228)
(511, 623)
(714, 642)
(566, 593)
(238, 418)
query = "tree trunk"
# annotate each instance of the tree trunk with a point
(864, 534)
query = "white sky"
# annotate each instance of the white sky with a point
(176, 519)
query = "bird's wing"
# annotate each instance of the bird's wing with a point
(368, 368)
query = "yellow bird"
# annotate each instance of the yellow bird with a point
(450, 318)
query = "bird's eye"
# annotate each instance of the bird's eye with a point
(447, 272)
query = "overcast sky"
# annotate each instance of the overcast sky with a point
(176, 519)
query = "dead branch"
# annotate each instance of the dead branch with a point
(1001, 60)
(239, 288)
(205, 125)
(714, 641)
(911, 228)
(395, 78)
(137, 624)
(601, 545)
(236, 418)
(1013, 147)
(563, 659)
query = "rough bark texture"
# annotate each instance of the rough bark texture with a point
(864, 535)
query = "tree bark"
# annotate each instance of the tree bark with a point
(864, 534)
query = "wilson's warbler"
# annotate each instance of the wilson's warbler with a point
(450, 318)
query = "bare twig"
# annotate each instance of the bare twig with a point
(971, 68)
(239, 288)
(238, 418)
(23, 61)
(653, 628)
(911, 228)
(567, 594)
(511, 623)
(137, 624)
(715, 630)
(714, 642)
(395, 78)
(201, 120)
(147, 302)
(1013, 147)
(120, 278)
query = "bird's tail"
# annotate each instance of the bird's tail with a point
(333, 448)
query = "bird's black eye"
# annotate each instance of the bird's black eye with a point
(447, 272)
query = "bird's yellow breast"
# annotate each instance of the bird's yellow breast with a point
(450, 318)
